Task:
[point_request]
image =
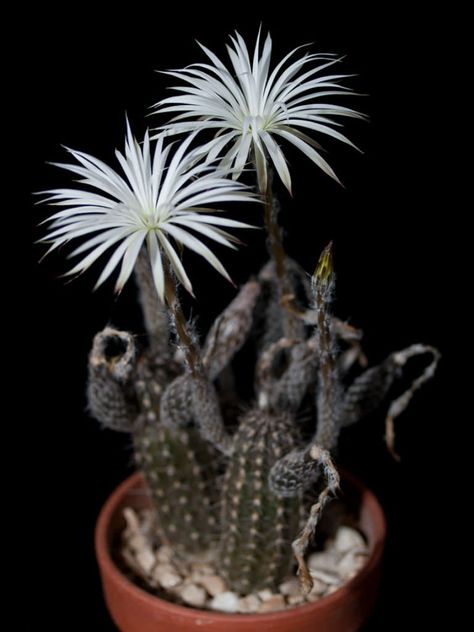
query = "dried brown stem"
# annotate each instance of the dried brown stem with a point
(399, 405)
(300, 545)
(308, 316)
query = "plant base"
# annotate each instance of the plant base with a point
(133, 608)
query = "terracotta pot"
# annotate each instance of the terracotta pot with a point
(134, 610)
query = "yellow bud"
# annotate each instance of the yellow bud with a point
(324, 270)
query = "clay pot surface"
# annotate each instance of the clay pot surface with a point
(135, 610)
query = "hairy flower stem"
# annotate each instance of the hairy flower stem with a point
(323, 287)
(189, 347)
(276, 249)
(154, 311)
(278, 255)
(204, 401)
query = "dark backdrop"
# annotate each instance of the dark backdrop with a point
(81, 76)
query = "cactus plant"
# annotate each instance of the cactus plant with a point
(227, 476)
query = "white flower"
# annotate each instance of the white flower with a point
(249, 107)
(161, 199)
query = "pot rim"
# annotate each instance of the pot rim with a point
(106, 562)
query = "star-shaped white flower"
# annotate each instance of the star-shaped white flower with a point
(251, 108)
(161, 198)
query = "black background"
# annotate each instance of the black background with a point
(391, 253)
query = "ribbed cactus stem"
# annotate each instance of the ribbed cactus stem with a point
(207, 414)
(230, 330)
(299, 375)
(176, 466)
(111, 362)
(366, 392)
(176, 403)
(258, 526)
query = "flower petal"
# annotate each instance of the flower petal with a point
(310, 152)
(245, 99)
(193, 243)
(156, 264)
(175, 262)
(278, 159)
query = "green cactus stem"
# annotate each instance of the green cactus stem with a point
(177, 466)
(181, 425)
(257, 525)
(109, 390)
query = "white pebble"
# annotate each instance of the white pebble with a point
(225, 602)
(331, 589)
(313, 596)
(318, 590)
(164, 554)
(265, 594)
(359, 560)
(346, 564)
(202, 568)
(137, 543)
(146, 559)
(147, 523)
(276, 602)
(214, 584)
(193, 595)
(348, 539)
(131, 519)
(133, 564)
(294, 600)
(249, 603)
(291, 587)
(351, 563)
(166, 575)
(331, 579)
(323, 561)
